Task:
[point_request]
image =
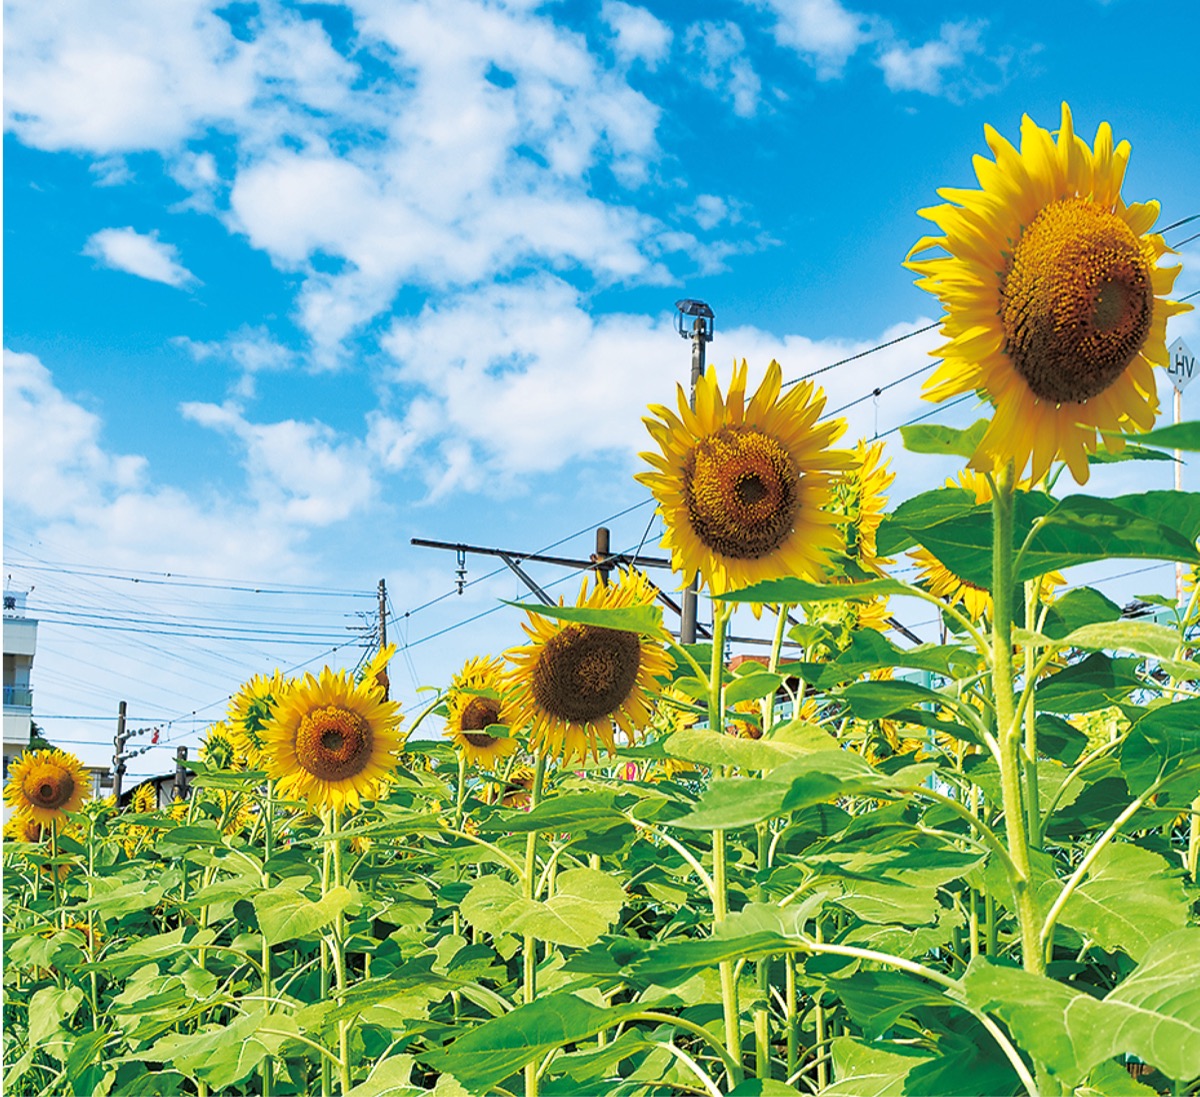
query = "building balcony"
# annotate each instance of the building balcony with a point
(18, 697)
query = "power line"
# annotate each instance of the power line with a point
(862, 354)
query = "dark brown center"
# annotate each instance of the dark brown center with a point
(585, 673)
(333, 743)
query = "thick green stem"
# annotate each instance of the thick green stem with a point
(1007, 724)
(792, 1021)
(529, 880)
(267, 1070)
(337, 944)
(716, 722)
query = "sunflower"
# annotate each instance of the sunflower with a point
(219, 747)
(374, 672)
(332, 742)
(250, 710)
(471, 708)
(574, 684)
(518, 788)
(1054, 299)
(940, 581)
(743, 487)
(859, 499)
(23, 828)
(46, 784)
(144, 799)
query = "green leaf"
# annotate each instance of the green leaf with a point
(864, 1070)
(1165, 745)
(390, 1078)
(1078, 607)
(49, 1008)
(881, 699)
(753, 686)
(1095, 682)
(1129, 899)
(1131, 452)
(1139, 637)
(787, 742)
(222, 1054)
(876, 1000)
(644, 620)
(1181, 436)
(585, 812)
(869, 650)
(792, 590)
(762, 1087)
(1154, 1013)
(1081, 529)
(1111, 1079)
(586, 902)
(285, 913)
(487, 1054)
(947, 441)
(123, 898)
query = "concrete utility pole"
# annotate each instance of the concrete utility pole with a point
(1181, 370)
(601, 555)
(181, 773)
(383, 635)
(119, 754)
(701, 332)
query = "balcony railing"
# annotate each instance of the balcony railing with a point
(18, 697)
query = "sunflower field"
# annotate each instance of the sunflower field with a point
(631, 867)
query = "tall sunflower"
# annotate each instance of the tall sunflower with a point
(939, 580)
(859, 499)
(219, 747)
(742, 486)
(250, 711)
(46, 784)
(1055, 306)
(471, 708)
(574, 685)
(332, 742)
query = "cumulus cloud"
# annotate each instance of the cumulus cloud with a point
(302, 473)
(924, 68)
(721, 50)
(823, 32)
(142, 254)
(638, 35)
(251, 350)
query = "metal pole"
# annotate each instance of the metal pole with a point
(118, 760)
(1178, 487)
(687, 624)
(180, 773)
(382, 677)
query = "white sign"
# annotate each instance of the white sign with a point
(1182, 364)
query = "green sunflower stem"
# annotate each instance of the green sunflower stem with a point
(326, 1072)
(267, 1072)
(716, 721)
(337, 942)
(1029, 753)
(530, 884)
(1008, 726)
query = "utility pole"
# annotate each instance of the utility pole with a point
(701, 332)
(181, 773)
(601, 556)
(119, 754)
(383, 635)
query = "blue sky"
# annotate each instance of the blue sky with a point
(289, 284)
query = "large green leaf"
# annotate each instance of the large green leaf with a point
(878, 700)
(285, 914)
(898, 530)
(586, 902)
(1165, 745)
(644, 620)
(947, 441)
(573, 811)
(390, 1078)
(1138, 637)
(485, 1055)
(1095, 682)
(1078, 607)
(792, 591)
(1154, 1013)
(49, 1009)
(223, 1054)
(1129, 899)
(869, 650)
(1181, 436)
(1081, 529)
(786, 743)
(113, 898)
(869, 1070)
(876, 1000)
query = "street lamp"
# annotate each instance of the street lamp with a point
(693, 320)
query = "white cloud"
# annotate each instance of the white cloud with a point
(142, 254)
(251, 350)
(63, 483)
(301, 473)
(721, 48)
(639, 35)
(823, 32)
(924, 68)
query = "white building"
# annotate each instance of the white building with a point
(20, 645)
